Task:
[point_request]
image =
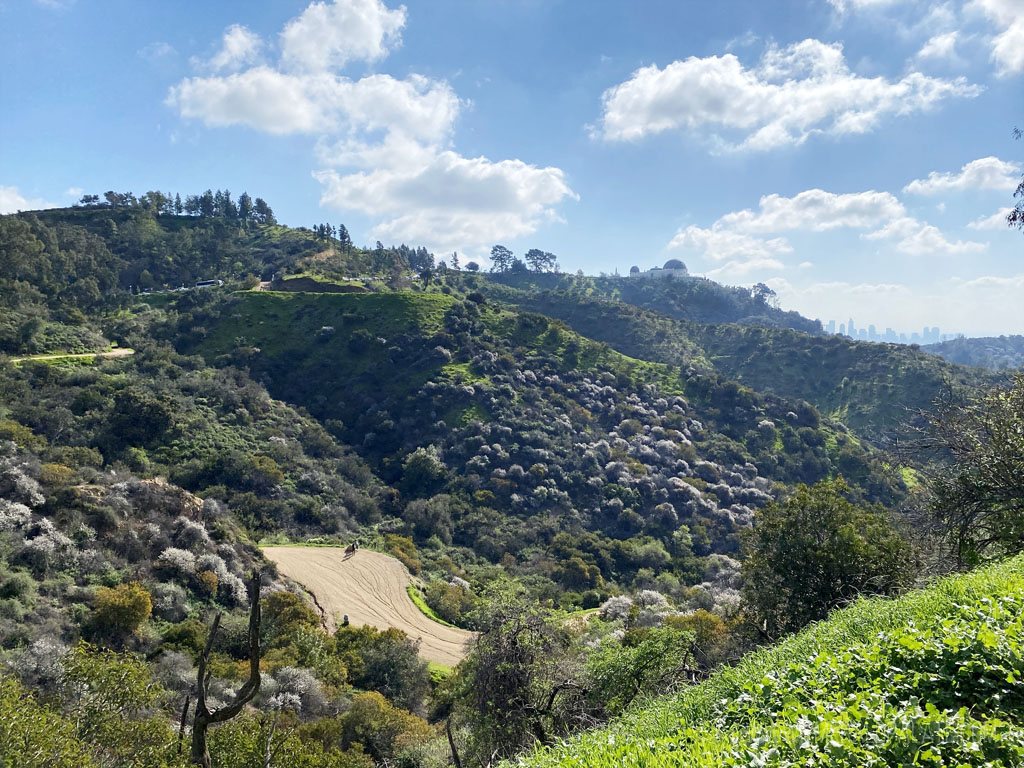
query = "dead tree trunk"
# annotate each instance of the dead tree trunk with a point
(204, 718)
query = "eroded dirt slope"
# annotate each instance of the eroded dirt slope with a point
(370, 588)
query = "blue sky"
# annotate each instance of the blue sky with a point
(853, 154)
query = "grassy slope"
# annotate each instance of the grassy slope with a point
(685, 729)
(868, 386)
(280, 323)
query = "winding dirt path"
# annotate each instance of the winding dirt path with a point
(120, 352)
(371, 588)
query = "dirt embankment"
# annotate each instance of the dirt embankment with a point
(371, 589)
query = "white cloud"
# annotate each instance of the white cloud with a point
(940, 47)
(793, 92)
(984, 173)
(1008, 45)
(12, 201)
(320, 103)
(815, 210)
(328, 35)
(737, 270)
(240, 47)
(916, 238)
(737, 238)
(447, 200)
(860, 5)
(719, 244)
(74, 191)
(383, 144)
(996, 221)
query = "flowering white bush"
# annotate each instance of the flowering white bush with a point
(615, 608)
(13, 515)
(191, 535)
(180, 562)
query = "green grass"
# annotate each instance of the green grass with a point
(957, 639)
(417, 598)
(439, 672)
(911, 477)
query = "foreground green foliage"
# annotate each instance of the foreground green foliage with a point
(930, 679)
(981, 501)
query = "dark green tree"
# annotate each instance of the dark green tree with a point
(262, 212)
(344, 240)
(980, 499)
(208, 204)
(501, 259)
(245, 207)
(816, 551)
(540, 261)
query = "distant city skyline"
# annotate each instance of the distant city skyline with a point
(850, 329)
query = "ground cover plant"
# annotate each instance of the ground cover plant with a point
(931, 678)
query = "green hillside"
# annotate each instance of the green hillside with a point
(932, 678)
(997, 353)
(871, 388)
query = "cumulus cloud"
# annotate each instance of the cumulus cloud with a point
(383, 143)
(796, 91)
(327, 36)
(449, 200)
(815, 210)
(996, 221)
(721, 244)
(319, 103)
(940, 47)
(12, 201)
(916, 238)
(1008, 44)
(737, 238)
(984, 173)
(240, 47)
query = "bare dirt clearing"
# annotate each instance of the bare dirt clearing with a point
(371, 588)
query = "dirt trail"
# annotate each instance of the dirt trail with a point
(371, 588)
(121, 352)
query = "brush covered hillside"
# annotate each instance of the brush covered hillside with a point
(930, 679)
(513, 439)
(871, 388)
(997, 353)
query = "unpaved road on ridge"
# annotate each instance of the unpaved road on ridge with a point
(121, 352)
(371, 588)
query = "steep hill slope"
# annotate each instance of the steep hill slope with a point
(503, 431)
(930, 679)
